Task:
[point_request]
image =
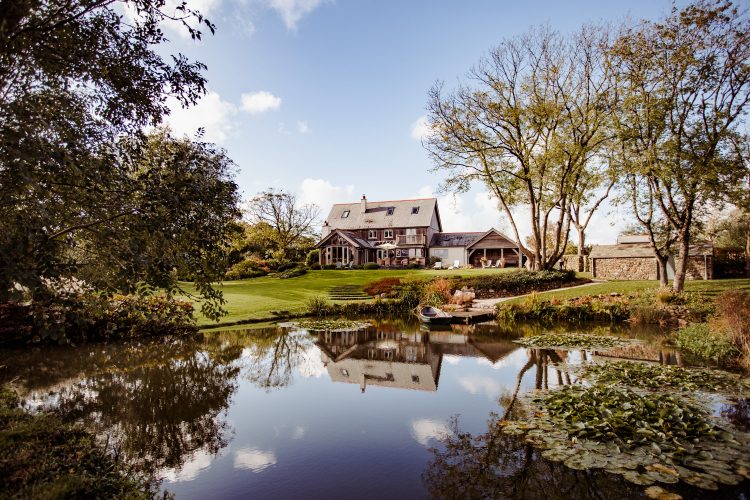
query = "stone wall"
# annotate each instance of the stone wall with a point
(576, 263)
(696, 268)
(625, 268)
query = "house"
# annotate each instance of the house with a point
(401, 232)
(632, 258)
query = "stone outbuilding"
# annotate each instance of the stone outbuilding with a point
(632, 258)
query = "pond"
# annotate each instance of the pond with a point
(392, 410)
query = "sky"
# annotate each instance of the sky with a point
(326, 99)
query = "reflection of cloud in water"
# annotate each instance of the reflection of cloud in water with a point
(298, 433)
(516, 359)
(253, 459)
(451, 359)
(310, 365)
(190, 469)
(481, 385)
(424, 429)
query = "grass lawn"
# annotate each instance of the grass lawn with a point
(257, 297)
(712, 287)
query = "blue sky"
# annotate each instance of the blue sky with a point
(321, 97)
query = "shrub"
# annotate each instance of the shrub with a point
(701, 341)
(280, 266)
(317, 306)
(315, 267)
(251, 267)
(386, 286)
(666, 296)
(410, 293)
(313, 258)
(293, 273)
(733, 319)
(329, 266)
(437, 292)
(516, 282)
(370, 266)
(414, 265)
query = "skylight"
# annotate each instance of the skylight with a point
(414, 210)
(345, 214)
(390, 211)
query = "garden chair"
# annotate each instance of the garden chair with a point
(456, 264)
(438, 265)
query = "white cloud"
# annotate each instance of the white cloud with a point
(253, 459)
(424, 430)
(292, 11)
(299, 432)
(190, 469)
(211, 112)
(259, 102)
(481, 385)
(323, 194)
(302, 127)
(311, 366)
(420, 129)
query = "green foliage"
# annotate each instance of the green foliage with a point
(248, 268)
(516, 282)
(572, 341)
(313, 257)
(664, 377)
(330, 325)
(41, 457)
(92, 316)
(586, 308)
(317, 306)
(606, 413)
(437, 292)
(369, 266)
(699, 340)
(292, 273)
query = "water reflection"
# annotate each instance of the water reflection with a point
(270, 412)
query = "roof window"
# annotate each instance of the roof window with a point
(390, 211)
(414, 210)
(345, 214)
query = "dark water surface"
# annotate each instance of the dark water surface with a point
(271, 413)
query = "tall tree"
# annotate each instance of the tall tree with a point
(76, 76)
(683, 86)
(291, 222)
(527, 126)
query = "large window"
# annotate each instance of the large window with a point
(388, 233)
(440, 253)
(372, 234)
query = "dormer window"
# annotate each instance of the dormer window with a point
(390, 211)
(345, 214)
(414, 210)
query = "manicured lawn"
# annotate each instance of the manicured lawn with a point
(257, 297)
(712, 287)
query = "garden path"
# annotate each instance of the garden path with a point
(491, 303)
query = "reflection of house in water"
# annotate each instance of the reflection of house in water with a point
(399, 359)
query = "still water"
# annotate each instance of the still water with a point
(392, 411)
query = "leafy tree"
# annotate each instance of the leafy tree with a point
(529, 126)
(291, 224)
(683, 86)
(79, 181)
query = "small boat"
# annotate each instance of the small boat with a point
(433, 316)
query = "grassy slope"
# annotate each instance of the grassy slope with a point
(713, 287)
(256, 298)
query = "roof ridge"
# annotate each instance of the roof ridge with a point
(387, 201)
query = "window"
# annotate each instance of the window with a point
(414, 210)
(372, 234)
(345, 214)
(415, 379)
(388, 233)
(390, 211)
(344, 372)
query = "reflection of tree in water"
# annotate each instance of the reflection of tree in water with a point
(496, 465)
(738, 412)
(272, 358)
(155, 405)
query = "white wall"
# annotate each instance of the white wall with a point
(449, 254)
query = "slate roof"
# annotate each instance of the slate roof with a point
(352, 237)
(454, 239)
(375, 217)
(643, 250)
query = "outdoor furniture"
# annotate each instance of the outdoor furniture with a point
(339, 265)
(438, 265)
(456, 264)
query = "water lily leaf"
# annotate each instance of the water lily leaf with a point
(659, 493)
(638, 478)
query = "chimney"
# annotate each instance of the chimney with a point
(326, 229)
(363, 204)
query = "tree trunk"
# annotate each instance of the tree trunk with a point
(747, 253)
(662, 263)
(681, 263)
(581, 244)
